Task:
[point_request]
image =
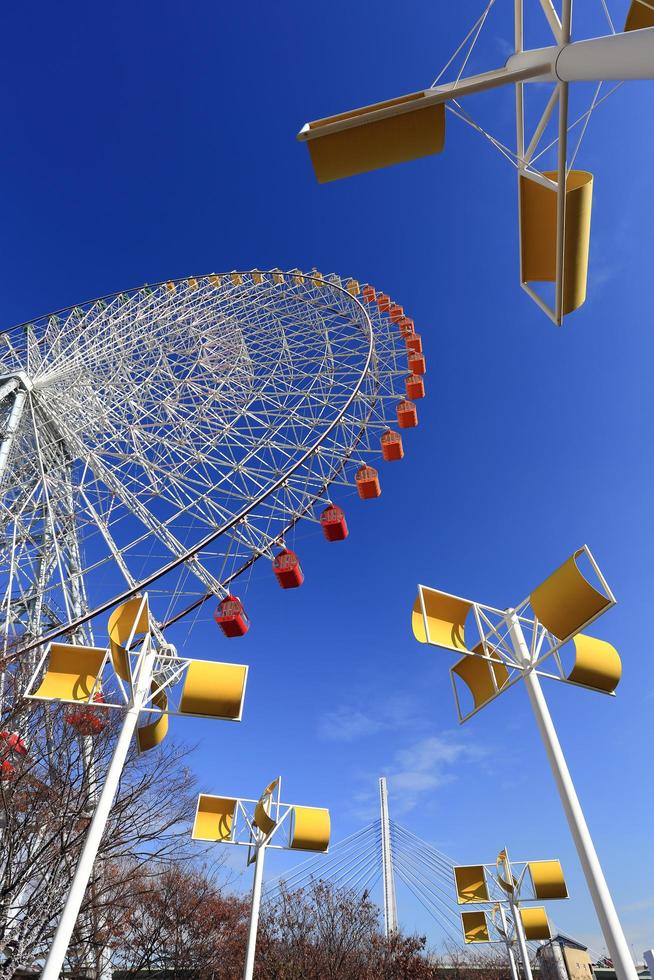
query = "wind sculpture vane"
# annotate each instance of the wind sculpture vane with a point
(511, 645)
(257, 825)
(508, 884)
(133, 675)
(554, 206)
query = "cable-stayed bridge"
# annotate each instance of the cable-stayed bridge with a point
(385, 851)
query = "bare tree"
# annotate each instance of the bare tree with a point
(46, 801)
(183, 924)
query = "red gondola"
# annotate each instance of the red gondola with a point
(417, 364)
(286, 567)
(383, 302)
(406, 326)
(407, 415)
(368, 294)
(7, 771)
(333, 523)
(413, 342)
(87, 719)
(367, 481)
(231, 617)
(415, 386)
(391, 445)
(397, 312)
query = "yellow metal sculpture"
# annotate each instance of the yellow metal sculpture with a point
(259, 825)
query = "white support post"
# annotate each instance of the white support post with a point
(255, 908)
(522, 940)
(509, 947)
(599, 892)
(390, 902)
(57, 954)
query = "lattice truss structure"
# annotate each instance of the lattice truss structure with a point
(168, 436)
(554, 198)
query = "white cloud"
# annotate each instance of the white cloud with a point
(427, 764)
(345, 725)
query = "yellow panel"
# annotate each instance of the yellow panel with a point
(475, 927)
(318, 279)
(538, 234)
(505, 879)
(214, 819)
(548, 880)
(639, 16)
(476, 674)
(237, 278)
(214, 280)
(170, 286)
(597, 664)
(131, 614)
(534, 922)
(566, 600)
(470, 884)
(353, 287)
(262, 818)
(370, 145)
(213, 690)
(71, 672)
(192, 283)
(446, 618)
(278, 277)
(311, 829)
(152, 734)
(257, 277)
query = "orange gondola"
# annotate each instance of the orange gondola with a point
(406, 326)
(286, 567)
(333, 523)
(391, 446)
(396, 312)
(368, 294)
(417, 364)
(415, 386)
(367, 481)
(407, 415)
(231, 617)
(383, 302)
(413, 342)
(87, 720)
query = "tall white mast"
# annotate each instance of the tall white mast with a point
(390, 903)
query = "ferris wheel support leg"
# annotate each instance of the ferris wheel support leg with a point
(12, 426)
(599, 892)
(56, 956)
(255, 908)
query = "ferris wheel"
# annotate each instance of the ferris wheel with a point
(167, 437)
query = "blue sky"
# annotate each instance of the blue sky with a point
(146, 141)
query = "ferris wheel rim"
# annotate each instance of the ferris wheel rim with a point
(195, 549)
